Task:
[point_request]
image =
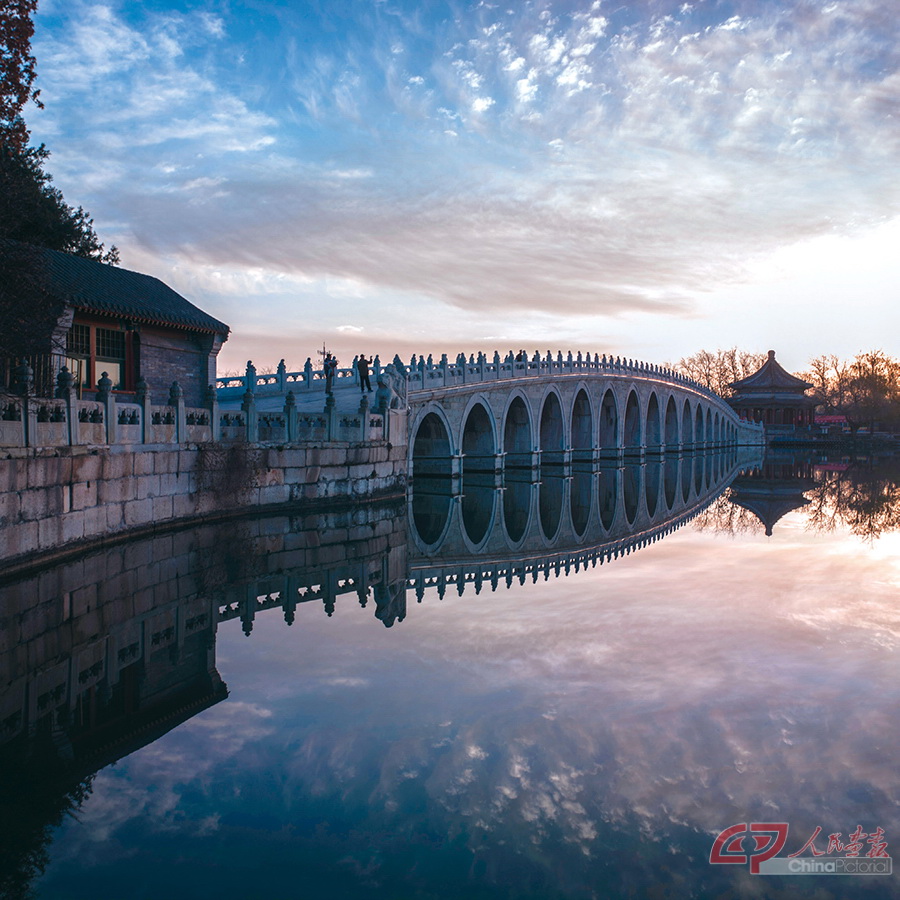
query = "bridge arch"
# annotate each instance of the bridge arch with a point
(518, 432)
(698, 427)
(478, 438)
(687, 426)
(552, 433)
(631, 436)
(432, 444)
(672, 432)
(652, 430)
(609, 423)
(582, 425)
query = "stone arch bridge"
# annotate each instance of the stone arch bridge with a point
(482, 415)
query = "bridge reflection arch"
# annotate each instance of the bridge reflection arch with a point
(608, 485)
(518, 494)
(652, 473)
(551, 492)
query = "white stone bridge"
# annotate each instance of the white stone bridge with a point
(492, 415)
(496, 413)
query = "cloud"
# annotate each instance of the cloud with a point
(600, 161)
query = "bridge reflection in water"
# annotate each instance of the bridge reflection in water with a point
(120, 646)
(494, 529)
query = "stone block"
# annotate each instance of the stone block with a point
(115, 516)
(86, 467)
(73, 526)
(83, 495)
(37, 504)
(118, 491)
(270, 477)
(10, 508)
(50, 532)
(163, 509)
(146, 486)
(143, 461)
(117, 465)
(94, 521)
(184, 505)
(138, 512)
(166, 462)
(13, 475)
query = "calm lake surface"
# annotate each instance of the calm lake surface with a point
(551, 692)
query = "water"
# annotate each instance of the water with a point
(516, 732)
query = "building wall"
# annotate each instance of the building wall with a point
(182, 356)
(63, 498)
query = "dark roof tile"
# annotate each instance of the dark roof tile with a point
(110, 290)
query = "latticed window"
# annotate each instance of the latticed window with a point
(110, 344)
(78, 341)
(92, 350)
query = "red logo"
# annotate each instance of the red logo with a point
(767, 840)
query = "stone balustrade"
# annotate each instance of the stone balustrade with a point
(66, 421)
(425, 374)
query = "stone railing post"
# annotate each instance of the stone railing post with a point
(106, 397)
(330, 418)
(445, 364)
(281, 372)
(65, 390)
(23, 385)
(250, 377)
(142, 395)
(215, 420)
(376, 367)
(176, 399)
(291, 422)
(248, 405)
(364, 418)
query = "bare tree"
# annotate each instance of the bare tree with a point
(717, 370)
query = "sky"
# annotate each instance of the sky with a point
(646, 179)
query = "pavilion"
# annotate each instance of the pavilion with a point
(775, 398)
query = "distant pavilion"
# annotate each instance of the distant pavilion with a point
(774, 397)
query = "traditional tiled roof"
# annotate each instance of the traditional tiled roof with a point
(771, 377)
(96, 287)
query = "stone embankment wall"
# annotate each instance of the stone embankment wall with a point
(63, 498)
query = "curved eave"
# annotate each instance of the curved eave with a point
(207, 328)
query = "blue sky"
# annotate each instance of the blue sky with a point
(639, 178)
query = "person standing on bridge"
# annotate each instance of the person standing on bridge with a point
(362, 366)
(329, 366)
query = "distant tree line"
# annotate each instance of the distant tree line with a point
(865, 389)
(33, 212)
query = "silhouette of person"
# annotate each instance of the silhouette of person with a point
(362, 366)
(329, 366)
